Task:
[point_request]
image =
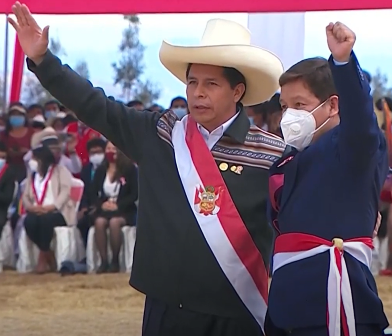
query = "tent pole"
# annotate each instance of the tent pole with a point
(5, 78)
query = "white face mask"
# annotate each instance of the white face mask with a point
(96, 159)
(33, 165)
(2, 128)
(299, 126)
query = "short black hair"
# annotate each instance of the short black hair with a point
(95, 142)
(273, 105)
(178, 98)
(233, 76)
(133, 103)
(53, 102)
(35, 106)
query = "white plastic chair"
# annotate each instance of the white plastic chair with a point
(93, 259)
(7, 256)
(67, 243)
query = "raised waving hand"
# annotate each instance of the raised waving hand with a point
(33, 40)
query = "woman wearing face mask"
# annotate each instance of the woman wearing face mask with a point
(47, 202)
(17, 138)
(179, 106)
(114, 193)
(7, 185)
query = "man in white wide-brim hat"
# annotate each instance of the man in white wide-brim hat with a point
(203, 241)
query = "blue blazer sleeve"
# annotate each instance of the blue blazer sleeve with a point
(360, 138)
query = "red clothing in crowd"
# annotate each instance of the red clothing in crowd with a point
(83, 135)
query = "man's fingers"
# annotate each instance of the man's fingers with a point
(17, 9)
(14, 24)
(27, 15)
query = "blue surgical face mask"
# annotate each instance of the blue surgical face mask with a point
(251, 120)
(180, 112)
(2, 163)
(50, 114)
(17, 120)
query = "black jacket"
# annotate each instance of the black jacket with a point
(172, 260)
(127, 196)
(86, 175)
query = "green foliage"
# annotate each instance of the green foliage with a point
(130, 67)
(33, 91)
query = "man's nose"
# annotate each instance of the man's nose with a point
(199, 91)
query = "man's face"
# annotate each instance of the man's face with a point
(52, 108)
(34, 112)
(297, 96)
(96, 150)
(210, 97)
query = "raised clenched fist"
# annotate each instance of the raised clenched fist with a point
(341, 40)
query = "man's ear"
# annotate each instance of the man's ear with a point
(334, 106)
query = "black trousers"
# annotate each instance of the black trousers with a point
(361, 330)
(40, 228)
(84, 225)
(161, 319)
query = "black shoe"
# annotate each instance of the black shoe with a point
(103, 268)
(114, 267)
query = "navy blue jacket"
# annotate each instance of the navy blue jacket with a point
(331, 189)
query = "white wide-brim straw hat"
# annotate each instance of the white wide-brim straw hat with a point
(226, 43)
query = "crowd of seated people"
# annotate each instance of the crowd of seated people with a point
(42, 150)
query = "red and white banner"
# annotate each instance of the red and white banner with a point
(201, 6)
(219, 220)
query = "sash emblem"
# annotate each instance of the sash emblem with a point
(207, 200)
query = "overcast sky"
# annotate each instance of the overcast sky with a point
(95, 39)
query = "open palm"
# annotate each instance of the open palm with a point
(33, 40)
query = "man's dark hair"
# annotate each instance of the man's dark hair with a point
(315, 73)
(53, 102)
(134, 103)
(35, 106)
(96, 142)
(233, 76)
(273, 105)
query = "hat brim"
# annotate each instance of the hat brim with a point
(260, 67)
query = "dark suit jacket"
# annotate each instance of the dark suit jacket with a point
(86, 175)
(7, 188)
(128, 193)
(331, 189)
(173, 262)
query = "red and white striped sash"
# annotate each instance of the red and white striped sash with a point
(218, 218)
(292, 247)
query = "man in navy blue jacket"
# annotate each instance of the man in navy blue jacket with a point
(324, 199)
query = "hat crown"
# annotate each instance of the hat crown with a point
(225, 32)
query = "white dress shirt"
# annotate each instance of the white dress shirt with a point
(211, 138)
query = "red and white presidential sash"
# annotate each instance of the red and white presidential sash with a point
(40, 200)
(218, 218)
(292, 247)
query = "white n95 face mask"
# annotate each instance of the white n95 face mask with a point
(299, 126)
